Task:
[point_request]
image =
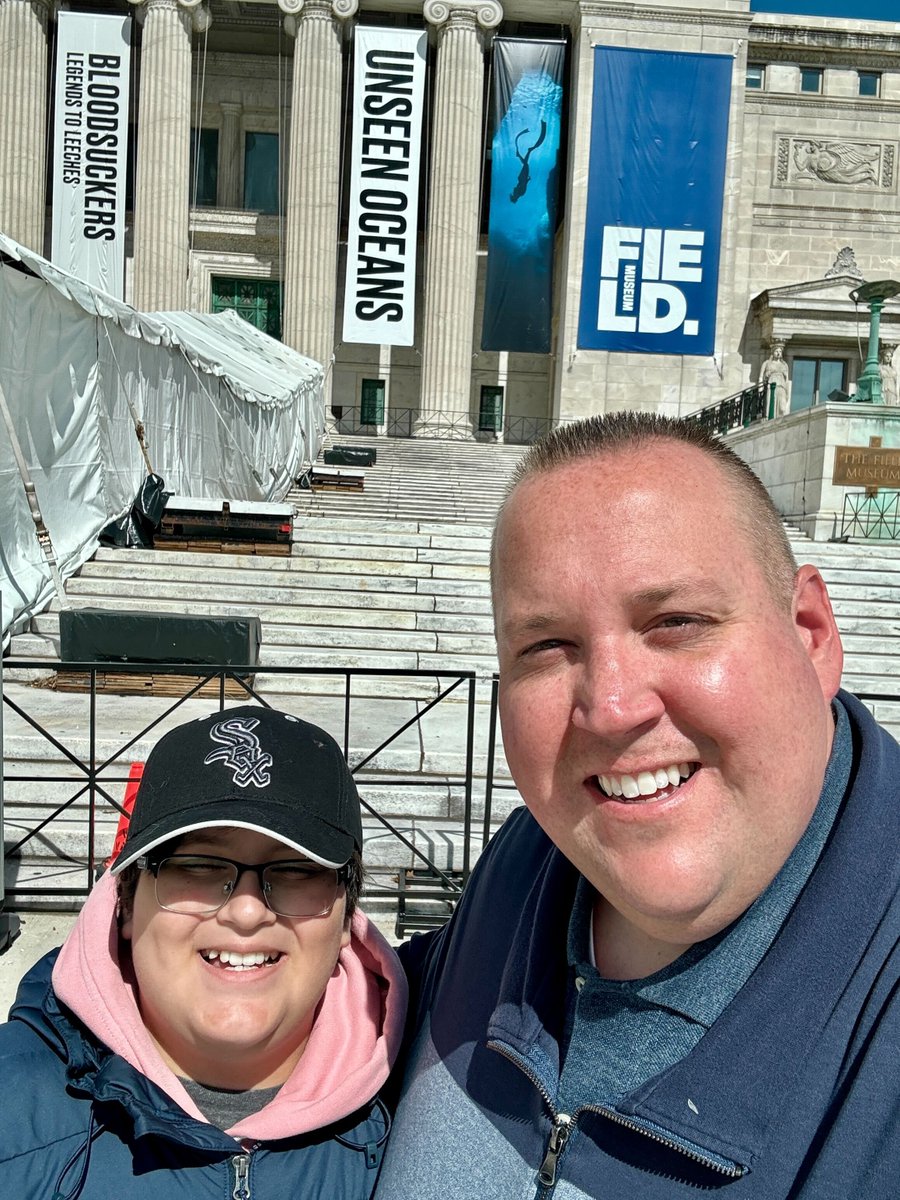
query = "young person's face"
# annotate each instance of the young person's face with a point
(222, 1026)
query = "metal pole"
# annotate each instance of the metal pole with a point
(9, 922)
(868, 386)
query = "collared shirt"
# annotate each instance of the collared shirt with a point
(621, 1033)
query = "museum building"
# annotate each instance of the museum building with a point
(479, 215)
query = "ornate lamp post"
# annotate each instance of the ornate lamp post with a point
(875, 294)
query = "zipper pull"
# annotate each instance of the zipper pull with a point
(241, 1164)
(559, 1135)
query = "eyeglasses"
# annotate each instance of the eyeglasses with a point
(199, 884)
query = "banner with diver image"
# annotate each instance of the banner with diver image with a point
(527, 114)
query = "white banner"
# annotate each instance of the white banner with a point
(388, 98)
(90, 143)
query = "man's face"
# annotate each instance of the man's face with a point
(213, 1023)
(638, 638)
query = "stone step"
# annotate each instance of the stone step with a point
(364, 527)
(30, 802)
(882, 641)
(333, 535)
(273, 619)
(864, 575)
(290, 590)
(322, 637)
(334, 616)
(889, 593)
(269, 589)
(440, 839)
(391, 659)
(60, 867)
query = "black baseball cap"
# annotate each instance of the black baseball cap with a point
(254, 768)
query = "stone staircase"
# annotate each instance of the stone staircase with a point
(864, 585)
(421, 480)
(361, 591)
(391, 579)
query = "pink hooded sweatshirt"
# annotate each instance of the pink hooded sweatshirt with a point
(354, 1041)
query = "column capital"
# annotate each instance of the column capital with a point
(198, 10)
(487, 13)
(342, 9)
(45, 9)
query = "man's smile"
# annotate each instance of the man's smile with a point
(655, 784)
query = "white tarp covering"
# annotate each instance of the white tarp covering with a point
(227, 411)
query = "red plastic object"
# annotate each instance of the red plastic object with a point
(131, 788)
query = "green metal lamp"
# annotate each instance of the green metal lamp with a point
(875, 294)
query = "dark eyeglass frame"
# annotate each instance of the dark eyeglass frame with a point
(147, 862)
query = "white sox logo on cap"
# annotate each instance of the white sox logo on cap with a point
(241, 752)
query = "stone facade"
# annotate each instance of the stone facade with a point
(811, 199)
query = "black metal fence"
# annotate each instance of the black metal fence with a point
(425, 893)
(95, 781)
(346, 421)
(874, 517)
(735, 412)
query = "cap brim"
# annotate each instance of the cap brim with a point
(319, 841)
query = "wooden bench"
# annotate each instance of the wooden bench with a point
(337, 479)
(228, 526)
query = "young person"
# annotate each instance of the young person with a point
(221, 1018)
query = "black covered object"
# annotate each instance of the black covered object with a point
(101, 635)
(138, 526)
(350, 456)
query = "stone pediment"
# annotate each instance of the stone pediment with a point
(833, 293)
(819, 308)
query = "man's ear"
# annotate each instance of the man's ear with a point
(345, 934)
(817, 628)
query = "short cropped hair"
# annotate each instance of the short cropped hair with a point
(127, 882)
(621, 432)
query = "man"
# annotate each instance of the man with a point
(676, 971)
(222, 1017)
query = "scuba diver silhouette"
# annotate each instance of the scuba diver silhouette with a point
(525, 174)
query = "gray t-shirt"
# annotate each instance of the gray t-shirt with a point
(224, 1108)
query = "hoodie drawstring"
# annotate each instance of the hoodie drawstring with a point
(372, 1149)
(95, 1128)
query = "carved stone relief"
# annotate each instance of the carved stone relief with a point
(814, 162)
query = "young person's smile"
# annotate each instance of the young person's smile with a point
(230, 996)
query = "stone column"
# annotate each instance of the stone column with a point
(450, 265)
(230, 149)
(163, 153)
(23, 119)
(314, 178)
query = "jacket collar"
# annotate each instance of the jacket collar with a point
(827, 957)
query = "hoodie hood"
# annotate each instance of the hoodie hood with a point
(353, 1045)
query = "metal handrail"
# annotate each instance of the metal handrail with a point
(734, 412)
(346, 421)
(87, 774)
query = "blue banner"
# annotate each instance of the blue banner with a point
(527, 114)
(654, 210)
